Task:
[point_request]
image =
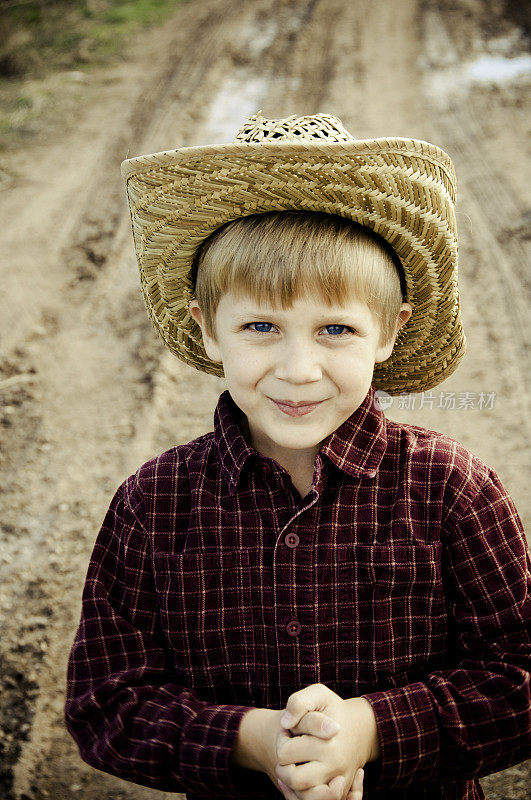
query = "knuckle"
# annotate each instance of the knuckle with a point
(322, 719)
(293, 705)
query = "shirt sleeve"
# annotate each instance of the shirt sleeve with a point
(123, 708)
(474, 717)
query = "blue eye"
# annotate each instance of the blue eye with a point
(336, 330)
(267, 327)
(261, 327)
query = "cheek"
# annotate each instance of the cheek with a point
(251, 363)
(243, 369)
(346, 365)
(353, 377)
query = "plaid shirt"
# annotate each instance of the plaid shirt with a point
(214, 587)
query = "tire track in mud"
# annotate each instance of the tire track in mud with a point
(494, 251)
(461, 124)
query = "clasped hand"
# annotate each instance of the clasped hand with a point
(322, 746)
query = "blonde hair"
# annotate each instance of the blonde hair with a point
(278, 256)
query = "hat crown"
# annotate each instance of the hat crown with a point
(324, 127)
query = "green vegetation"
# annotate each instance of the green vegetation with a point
(47, 47)
(39, 36)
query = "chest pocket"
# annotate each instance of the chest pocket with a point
(206, 613)
(392, 613)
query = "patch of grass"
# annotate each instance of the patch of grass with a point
(46, 46)
(123, 17)
(141, 12)
(23, 102)
(37, 37)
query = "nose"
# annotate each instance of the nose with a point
(297, 361)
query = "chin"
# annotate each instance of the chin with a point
(301, 443)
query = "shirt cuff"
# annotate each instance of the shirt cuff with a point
(409, 735)
(206, 744)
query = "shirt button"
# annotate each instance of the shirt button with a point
(293, 627)
(292, 540)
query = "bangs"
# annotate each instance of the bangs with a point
(283, 258)
(277, 257)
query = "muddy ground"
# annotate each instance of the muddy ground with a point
(88, 392)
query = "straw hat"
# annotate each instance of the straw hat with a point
(404, 189)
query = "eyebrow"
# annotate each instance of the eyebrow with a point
(341, 316)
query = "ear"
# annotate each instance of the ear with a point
(384, 351)
(209, 342)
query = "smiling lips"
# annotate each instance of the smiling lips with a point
(296, 409)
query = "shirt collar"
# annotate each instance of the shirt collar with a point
(356, 447)
(359, 444)
(233, 448)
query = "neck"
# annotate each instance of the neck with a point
(299, 464)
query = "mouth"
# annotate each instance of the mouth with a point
(296, 409)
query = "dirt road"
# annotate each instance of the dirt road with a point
(88, 392)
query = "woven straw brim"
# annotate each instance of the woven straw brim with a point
(404, 189)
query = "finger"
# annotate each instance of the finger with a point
(327, 791)
(312, 779)
(356, 790)
(282, 740)
(302, 777)
(301, 749)
(316, 723)
(288, 793)
(318, 792)
(283, 736)
(337, 785)
(357, 785)
(311, 698)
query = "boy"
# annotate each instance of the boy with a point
(311, 589)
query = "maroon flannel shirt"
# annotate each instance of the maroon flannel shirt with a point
(214, 587)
